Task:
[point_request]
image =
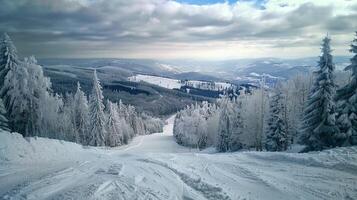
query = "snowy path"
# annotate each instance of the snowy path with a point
(155, 167)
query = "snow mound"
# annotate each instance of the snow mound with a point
(343, 158)
(16, 149)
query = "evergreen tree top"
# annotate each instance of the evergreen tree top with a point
(326, 61)
(97, 88)
(78, 86)
(7, 42)
(353, 65)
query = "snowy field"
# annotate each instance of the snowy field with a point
(155, 167)
(157, 80)
(170, 83)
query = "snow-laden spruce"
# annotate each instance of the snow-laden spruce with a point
(276, 134)
(97, 118)
(224, 126)
(115, 132)
(230, 126)
(14, 87)
(347, 104)
(319, 124)
(81, 115)
(4, 122)
(31, 106)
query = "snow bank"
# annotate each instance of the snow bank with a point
(16, 149)
(337, 158)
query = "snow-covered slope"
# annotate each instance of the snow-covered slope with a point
(157, 80)
(171, 83)
(155, 167)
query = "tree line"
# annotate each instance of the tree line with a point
(29, 106)
(309, 109)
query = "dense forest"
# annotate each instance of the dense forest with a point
(29, 106)
(308, 109)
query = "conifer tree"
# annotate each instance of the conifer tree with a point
(277, 139)
(97, 118)
(319, 124)
(115, 136)
(347, 104)
(14, 86)
(237, 127)
(4, 122)
(224, 127)
(8, 57)
(81, 115)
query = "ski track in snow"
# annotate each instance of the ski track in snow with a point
(155, 167)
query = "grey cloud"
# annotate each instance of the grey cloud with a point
(36, 23)
(341, 24)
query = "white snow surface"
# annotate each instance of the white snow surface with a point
(170, 83)
(155, 167)
(157, 80)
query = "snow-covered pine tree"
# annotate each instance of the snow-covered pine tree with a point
(48, 115)
(114, 137)
(68, 119)
(4, 122)
(97, 117)
(319, 125)
(14, 87)
(237, 127)
(8, 57)
(224, 127)
(200, 129)
(81, 115)
(347, 104)
(123, 118)
(276, 134)
(39, 87)
(135, 121)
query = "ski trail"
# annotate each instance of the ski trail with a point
(134, 146)
(208, 191)
(156, 167)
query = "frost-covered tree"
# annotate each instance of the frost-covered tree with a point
(97, 117)
(200, 129)
(295, 92)
(224, 127)
(237, 127)
(14, 87)
(8, 57)
(4, 122)
(27, 94)
(196, 126)
(115, 135)
(151, 124)
(319, 125)
(81, 116)
(347, 104)
(276, 133)
(38, 87)
(135, 121)
(254, 109)
(67, 112)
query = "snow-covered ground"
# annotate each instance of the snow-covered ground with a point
(157, 80)
(170, 83)
(155, 167)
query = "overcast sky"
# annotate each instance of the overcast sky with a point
(167, 29)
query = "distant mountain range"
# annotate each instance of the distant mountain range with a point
(200, 70)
